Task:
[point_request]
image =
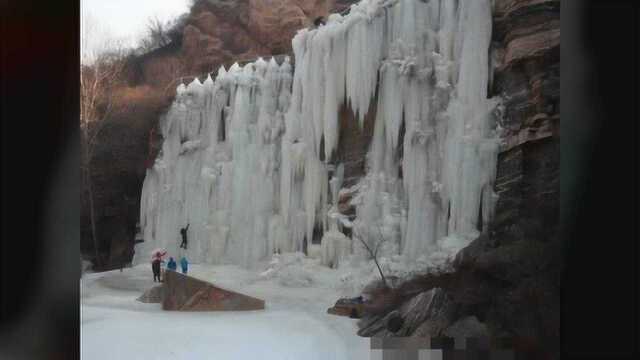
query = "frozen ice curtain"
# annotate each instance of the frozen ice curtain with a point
(241, 158)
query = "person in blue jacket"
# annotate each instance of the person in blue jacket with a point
(171, 265)
(184, 264)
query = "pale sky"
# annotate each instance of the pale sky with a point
(126, 19)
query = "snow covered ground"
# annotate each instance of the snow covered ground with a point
(294, 324)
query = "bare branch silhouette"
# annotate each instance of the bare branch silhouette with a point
(374, 254)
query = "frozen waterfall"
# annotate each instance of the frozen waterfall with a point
(247, 158)
(219, 166)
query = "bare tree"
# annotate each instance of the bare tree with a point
(102, 64)
(160, 33)
(156, 35)
(374, 253)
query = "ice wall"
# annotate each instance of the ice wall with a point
(426, 65)
(247, 158)
(218, 167)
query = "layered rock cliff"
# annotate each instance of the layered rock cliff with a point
(221, 32)
(227, 31)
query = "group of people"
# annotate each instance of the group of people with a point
(184, 264)
(157, 262)
(171, 265)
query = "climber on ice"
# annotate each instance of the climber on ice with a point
(183, 232)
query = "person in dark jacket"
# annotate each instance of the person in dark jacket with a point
(171, 265)
(155, 266)
(184, 264)
(183, 232)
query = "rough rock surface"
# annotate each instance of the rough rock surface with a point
(466, 328)
(430, 311)
(353, 144)
(433, 307)
(377, 325)
(153, 295)
(275, 22)
(221, 32)
(185, 293)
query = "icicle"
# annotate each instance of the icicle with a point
(208, 82)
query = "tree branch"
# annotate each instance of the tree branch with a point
(375, 259)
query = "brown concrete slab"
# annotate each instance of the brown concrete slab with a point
(185, 293)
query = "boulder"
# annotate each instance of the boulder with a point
(381, 298)
(376, 325)
(185, 293)
(467, 256)
(433, 308)
(152, 296)
(468, 327)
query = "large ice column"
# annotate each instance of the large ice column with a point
(472, 149)
(219, 167)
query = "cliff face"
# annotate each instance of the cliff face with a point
(527, 52)
(523, 250)
(221, 32)
(507, 282)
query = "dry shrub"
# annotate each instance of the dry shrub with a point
(162, 71)
(142, 96)
(142, 104)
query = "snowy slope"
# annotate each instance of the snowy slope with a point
(294, 324)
